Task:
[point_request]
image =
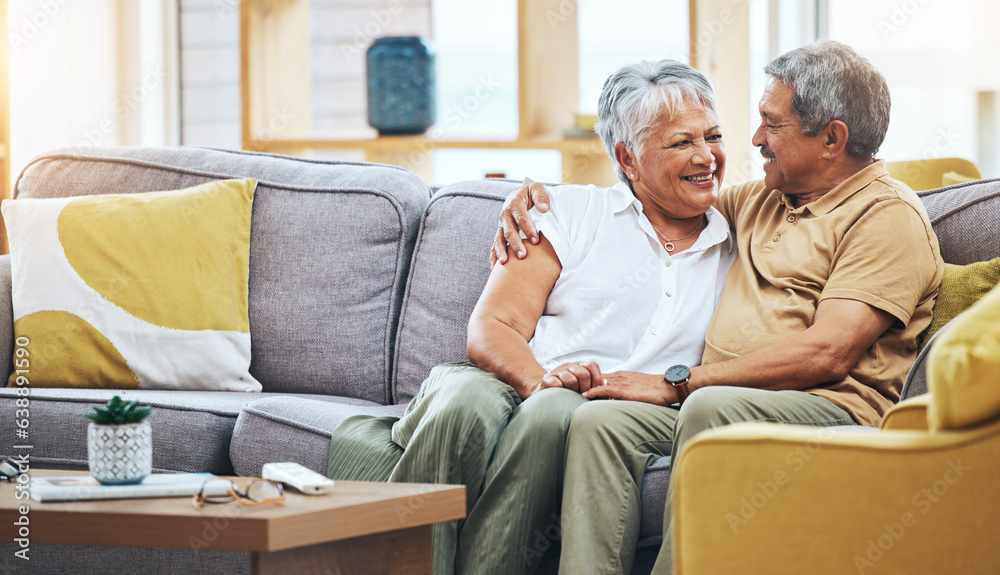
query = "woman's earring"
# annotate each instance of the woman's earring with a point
(631, 176)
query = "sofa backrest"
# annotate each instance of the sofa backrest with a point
(450, 267)
(966, 220)
(330, 248)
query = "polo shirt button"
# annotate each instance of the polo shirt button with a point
(667, 264)
(668, 294)
(655, 331)
(776, 237)
(791, 218)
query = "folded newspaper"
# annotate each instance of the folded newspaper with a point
(85, 487)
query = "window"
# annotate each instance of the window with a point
(614, 34)
(210, 73)
(941, 63)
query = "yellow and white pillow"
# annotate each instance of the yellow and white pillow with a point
(143, 290)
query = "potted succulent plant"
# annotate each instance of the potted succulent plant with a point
(119, 442)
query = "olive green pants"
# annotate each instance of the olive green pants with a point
(555, 467)
(610, 445)
(467, 427)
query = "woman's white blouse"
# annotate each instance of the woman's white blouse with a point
(621, 300)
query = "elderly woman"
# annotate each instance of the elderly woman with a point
(622, 278)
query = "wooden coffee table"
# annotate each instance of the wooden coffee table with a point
(358, 528)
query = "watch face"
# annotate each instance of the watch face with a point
(677, 374)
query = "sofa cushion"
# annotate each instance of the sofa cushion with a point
(964, 217)
(330, 245)
(916, 380)
(961, 287)
(191, 429)
(653, 495)
(292, 429)
(134, 290)
(52, 559)
(450, 267)
(963, 368)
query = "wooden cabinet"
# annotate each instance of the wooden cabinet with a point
(274, 48)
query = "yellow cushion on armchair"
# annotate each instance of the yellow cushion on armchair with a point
(964, 368)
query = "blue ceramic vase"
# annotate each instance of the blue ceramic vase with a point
(401, 85)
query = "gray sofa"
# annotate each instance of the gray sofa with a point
(361, 280)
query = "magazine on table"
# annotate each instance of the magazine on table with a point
(85, 487)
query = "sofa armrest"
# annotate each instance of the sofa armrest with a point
(768, 498)
(6, 321)
(908, 414)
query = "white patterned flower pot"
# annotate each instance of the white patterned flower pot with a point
(120, 454)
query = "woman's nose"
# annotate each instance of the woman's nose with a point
(703, 154)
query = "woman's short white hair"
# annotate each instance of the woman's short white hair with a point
(635, 95)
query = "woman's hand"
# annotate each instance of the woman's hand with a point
(634, 386)
(577, 376)
(514, 219)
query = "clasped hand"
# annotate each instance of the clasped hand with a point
(585, 377)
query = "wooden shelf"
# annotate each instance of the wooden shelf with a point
(274, 52)
(275, 76)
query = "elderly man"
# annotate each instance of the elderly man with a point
(817, 323)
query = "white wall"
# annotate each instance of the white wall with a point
(937, 57)
(88, 73)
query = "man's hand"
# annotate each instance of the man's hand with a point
(577, 376)
(633, 386)
(514, 219)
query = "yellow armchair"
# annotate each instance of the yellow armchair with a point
(933, 173)
(767, 498)
(920, 495)
(908, 414)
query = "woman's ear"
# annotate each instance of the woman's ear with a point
(627, 160)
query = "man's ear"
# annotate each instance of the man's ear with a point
(835, 142)
(626, 159)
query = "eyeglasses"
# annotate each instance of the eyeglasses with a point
(258, 492)
(8, 470)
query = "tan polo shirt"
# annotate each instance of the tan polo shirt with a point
(869, 239)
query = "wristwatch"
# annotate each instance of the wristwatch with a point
(678, 376)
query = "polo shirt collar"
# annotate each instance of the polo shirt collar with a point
(852, 185)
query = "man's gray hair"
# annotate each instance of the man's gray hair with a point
(833, 82)
(635, 95)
